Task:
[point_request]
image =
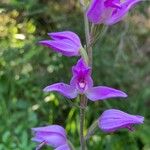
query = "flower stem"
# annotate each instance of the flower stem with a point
(83, 104)
(88, 34)
(88, 39)
(83, 99)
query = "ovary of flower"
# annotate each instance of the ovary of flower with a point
(82, 83)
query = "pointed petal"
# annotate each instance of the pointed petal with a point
(103, 92)
(113, 119)
(81, 66)
(81, 79)
(52, 135)
(81, 71)
(51, 139)
(95, 11)
(51, 128)
(113, 4)
(120, 13)
(62, 88)
(63, 147)
(66, 47)
(66, 35)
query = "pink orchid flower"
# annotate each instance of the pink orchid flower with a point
(82, 83)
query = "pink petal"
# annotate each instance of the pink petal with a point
(95, 11)
(81, 79)
(113, 119)
(81, 65)
(66, 47)
(62, 88)
(63, 147)
(51, 139)
(103, 92)
(53, 135)
(51, 128)
(119, 14)
(66, 35)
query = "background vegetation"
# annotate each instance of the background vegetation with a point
(121, 60)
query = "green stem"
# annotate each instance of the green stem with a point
(91, 130)
(83, 99)
(83, 102)
(88, 34)
(88, 37)
(71, 145)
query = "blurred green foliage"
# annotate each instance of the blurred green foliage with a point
(121, 60)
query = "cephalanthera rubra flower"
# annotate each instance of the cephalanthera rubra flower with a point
(109, 11)
(82, 83)
(53, 135)
(67, 43)
(113, 119)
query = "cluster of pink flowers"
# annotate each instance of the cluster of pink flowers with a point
(68, 43)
